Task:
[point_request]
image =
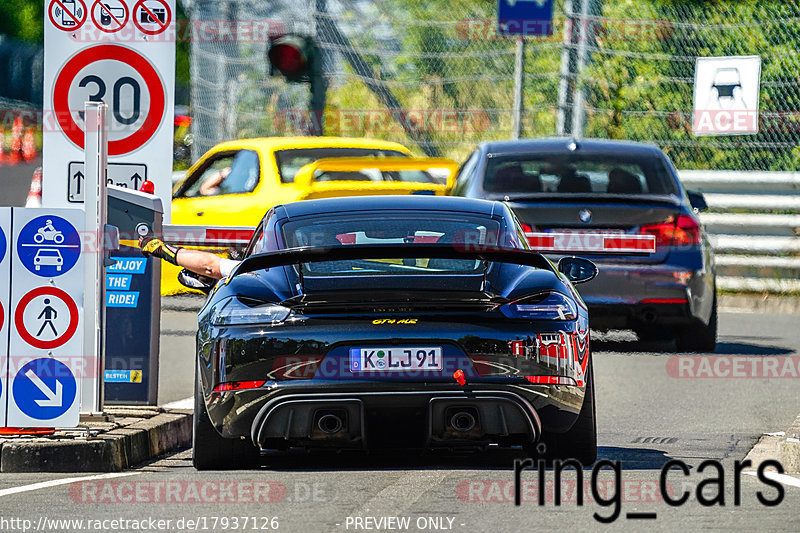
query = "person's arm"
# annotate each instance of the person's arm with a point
(203, 263)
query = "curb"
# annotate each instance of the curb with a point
(784, 447)
(114, 451)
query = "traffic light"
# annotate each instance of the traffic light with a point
(294, 57)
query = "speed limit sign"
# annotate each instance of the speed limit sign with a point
(111, 59)
(129, 84)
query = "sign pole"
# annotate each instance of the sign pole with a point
(519, 78)
(95, 204)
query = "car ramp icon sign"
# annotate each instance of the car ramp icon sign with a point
(48, 246)
(44, 388)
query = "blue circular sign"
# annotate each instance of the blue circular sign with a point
(2, 245)
(44, 388)
(48, 246)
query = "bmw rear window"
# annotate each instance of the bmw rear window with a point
(577, 174)
(400, 228)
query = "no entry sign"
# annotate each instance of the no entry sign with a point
(116, 55)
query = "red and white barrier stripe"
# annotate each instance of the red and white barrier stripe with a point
(600, 243)
(222, 236)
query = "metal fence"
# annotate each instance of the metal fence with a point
(436, 76)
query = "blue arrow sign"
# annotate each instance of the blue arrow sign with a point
(525, 17)
(44, 388)
(48, 246)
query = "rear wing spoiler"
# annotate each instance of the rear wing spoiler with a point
(313, 254)
(306, 176)
(555, 243)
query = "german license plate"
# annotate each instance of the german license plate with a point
(395, 359)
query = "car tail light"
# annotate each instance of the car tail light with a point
(664, 301)
(552, 380)
(543, 306)
(681, 231)
(527, 228)
(238, 385)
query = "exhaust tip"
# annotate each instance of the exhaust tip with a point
(462, 421)
(330, 424)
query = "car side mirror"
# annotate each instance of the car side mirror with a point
(577, 269)
(196, 281)
(697, 200)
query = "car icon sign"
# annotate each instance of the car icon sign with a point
(48, 257)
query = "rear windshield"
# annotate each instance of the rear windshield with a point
(401, 228)
(577, 174)
(290, 161)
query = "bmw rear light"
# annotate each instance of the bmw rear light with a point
(527, 228)
(681, 231)
(238, 385)
(544, 306)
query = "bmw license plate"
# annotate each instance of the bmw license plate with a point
(395, 359)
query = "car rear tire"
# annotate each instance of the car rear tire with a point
(580, 442)
(699, 338)
(212, 451)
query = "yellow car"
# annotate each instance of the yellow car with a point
(236, 182)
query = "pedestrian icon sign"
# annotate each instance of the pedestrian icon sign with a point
(46, 317)
(44, 389)
(48, 246)
(48, 313)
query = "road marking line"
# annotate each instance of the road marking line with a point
(781, 478)
(186, 403)
(65, 481)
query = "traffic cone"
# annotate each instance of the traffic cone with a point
(35, 194)
(16, 141)
(28, 145)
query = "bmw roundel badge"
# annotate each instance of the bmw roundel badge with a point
(585, 216)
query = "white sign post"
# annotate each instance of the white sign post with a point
(726, 94)
(121, 52)
(96, 141)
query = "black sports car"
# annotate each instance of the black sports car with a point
(396, 321)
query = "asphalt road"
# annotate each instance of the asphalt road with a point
(646, 416)
(15, 182)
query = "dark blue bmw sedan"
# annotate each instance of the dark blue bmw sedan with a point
(598, 186)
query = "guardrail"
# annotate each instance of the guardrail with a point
(754, 225)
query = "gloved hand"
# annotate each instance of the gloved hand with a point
(157, 248)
